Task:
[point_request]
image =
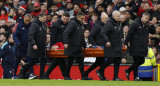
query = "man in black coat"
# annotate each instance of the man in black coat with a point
(37, 44)
(138, 37)
(57, 36)
(73, 43)
(97, 40)
(111, 33)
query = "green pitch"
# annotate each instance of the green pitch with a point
(74, 83)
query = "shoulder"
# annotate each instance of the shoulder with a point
(4, 45)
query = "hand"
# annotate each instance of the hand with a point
(65, 46)
(35, 47)
(108, 44)
(123, 61)
(23, 63)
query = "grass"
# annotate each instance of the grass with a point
(8, 82)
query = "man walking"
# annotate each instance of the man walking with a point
(111, 33)
(37, 45)
(73, 43)
(138, 37)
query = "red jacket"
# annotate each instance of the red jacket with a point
(35, 13)
(60, 44)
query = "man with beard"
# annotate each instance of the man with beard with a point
(37, 9)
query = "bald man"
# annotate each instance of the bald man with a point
(96, 40)
(111, 33)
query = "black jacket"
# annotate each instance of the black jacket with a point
(94, 37)
(74, 37)
(138, 36)
(57, 30)
(37, 36)
(111, 32)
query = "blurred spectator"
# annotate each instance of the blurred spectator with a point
(44, 8)
(97, 3)
(86, 34)
(76, 9)
(91, 10)
(63, 5)
(49, 19)
(37, 9)
(109, 10)
(15, 3)
(12, 14)
(118, 4)
(85, 8)
(128, 17)
(54, 9)
(54, 18)
(2, 22)
(123, 21)
(3, 14)
(69, 8)
(21, 13)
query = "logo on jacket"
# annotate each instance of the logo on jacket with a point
(23, 28)
(40, 28)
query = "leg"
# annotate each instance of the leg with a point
(42, 66)
(51, 67)
(99, 61)
(117, 62)
(31, 68)
(81, 65)
(100, 72)
(16, 63)
(62, 65)
(26, 68)
(137, 62)
(68, 66)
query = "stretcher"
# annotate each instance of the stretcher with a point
(89, 52)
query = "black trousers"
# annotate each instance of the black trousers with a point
(33, 62)
(56, 62)
(80, 61)
(99, 61)
(138, 60)
(116, 61)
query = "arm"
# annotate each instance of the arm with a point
(67, 31)
(15, 36)
(32, 34)
(3, 52)
(54, 30)
(105, 30)
(92, 35)
(130, 33)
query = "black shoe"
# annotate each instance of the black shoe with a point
(117, 79)
(21, 75)
(127, 74)
(138, 79)
(67, 78)
(100, 75)
(86, 78)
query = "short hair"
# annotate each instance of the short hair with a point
(12, 20)
(55, 14)
(146, 14)
(80, 14)
(94, 14)
(66, 14)
(5, 35)
(42, 14)
(28, 15)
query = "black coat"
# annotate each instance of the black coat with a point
(138, 36)
(37, 36)
(20, 37)
(94, 37)
(57, 30)
(74, 37)
(111, 32)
